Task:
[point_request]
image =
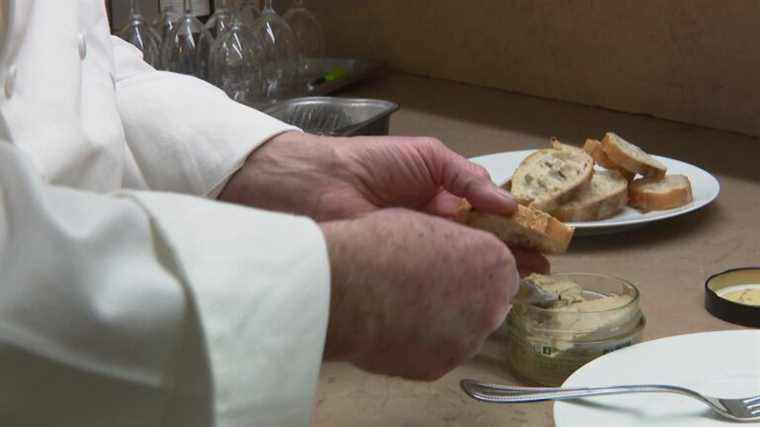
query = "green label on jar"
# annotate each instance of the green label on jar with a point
(542, 362)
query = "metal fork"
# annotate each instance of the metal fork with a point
(747, 409)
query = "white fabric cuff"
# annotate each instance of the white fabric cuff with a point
(260, 283)
(217, 189)
(185, 135)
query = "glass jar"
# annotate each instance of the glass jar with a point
(545, 346)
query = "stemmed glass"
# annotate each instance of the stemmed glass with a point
(280, 56)
(164, 23)
(187, 47)
(308, 30)
(249, 11)
(140, 34)
(233, 64)
(222, 18)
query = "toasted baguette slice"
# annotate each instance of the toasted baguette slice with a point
(594, 148)
(632, 158)
(549, 177)
(558, 145)
(604, 198)
(527, 228)
(651, 194)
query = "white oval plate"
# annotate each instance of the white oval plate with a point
(705, 187)
(719, 364)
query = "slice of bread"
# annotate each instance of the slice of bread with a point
(594, 148)
(559, 145)
(631, 158)
(527, 228)
(650, 194)
(551, 176)
(604, 198)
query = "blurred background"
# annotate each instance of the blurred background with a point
(692, 61)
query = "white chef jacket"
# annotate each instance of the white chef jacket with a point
(123, 303)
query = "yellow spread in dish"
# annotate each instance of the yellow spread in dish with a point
(746, 296)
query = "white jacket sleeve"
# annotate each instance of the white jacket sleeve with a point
(184, 134)
(147, 309)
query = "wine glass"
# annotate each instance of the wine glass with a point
(164, 23)
(221, 20)
(187, 47)
(280, 57)
(233, 63)
(308, 30)
(249, 11)
(140, 34)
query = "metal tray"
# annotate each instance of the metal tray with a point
(335, 116)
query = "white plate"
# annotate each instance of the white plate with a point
(705, 187)
(719, 364)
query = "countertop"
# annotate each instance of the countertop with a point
(669, 261)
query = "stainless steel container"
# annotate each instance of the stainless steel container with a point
(335, 116)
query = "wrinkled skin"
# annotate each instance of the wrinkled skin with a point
(417, 306)
(413, 294)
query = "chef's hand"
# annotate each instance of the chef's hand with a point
(414, 295)
(338, 178)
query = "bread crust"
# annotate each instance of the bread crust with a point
(645, 198)
(605, 205)
(527, 228)
(594, 148)
(531, 169)
(633, 161)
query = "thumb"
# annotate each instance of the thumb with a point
(466, 179)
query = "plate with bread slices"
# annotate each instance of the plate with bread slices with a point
(607, 186)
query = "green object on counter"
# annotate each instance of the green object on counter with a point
(335, 74)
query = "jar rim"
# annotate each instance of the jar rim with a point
(626, 284)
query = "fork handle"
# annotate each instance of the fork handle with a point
(506, 394)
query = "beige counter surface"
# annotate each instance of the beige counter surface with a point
(669, 261)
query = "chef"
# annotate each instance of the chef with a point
(169, 257)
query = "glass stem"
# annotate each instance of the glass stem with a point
(298, 4)
(188, 6)
(268, 5)
(134, 9)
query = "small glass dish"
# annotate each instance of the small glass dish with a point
(545, 346)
